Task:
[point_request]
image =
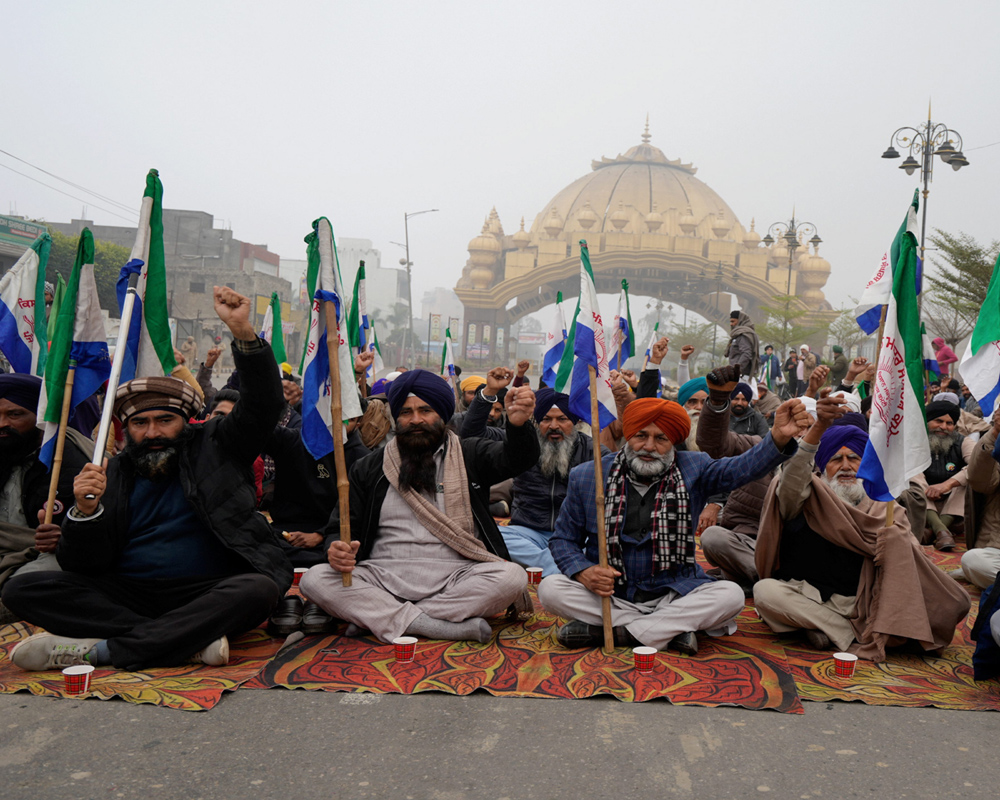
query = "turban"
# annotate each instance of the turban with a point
(947, 397)
(50, 287)
(668, 416)
(848, 436)
(735, 314)
(852, 400)
(804, 347)
(472, 383)
(689, 389)
(838, 349)
(546, 397)
(810, 404)
(743, 389)
(852, 418)
(156, 394)
(941, 407)
(430, 388)
(21, 390)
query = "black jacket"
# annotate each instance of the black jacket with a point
(35, 483)
(216, 472)
(486, 463)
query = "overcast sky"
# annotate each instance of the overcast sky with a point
(269, 115)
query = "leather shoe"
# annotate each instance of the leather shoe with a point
(943, 540)
(685, 643)
(287, 618)
(819, 640)
(315, 620)
(576, 634)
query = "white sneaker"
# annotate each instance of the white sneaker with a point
(48, 651)
(215, 655)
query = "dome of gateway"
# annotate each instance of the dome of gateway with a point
(623, 192)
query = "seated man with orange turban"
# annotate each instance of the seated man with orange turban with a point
(653, 496)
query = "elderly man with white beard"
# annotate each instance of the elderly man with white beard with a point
(816, 549)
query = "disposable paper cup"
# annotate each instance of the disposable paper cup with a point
(534, 575)
(297, 576)
(845, 664)
(78, 678)
(405, 647)
(645, 658)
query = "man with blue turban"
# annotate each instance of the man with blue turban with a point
(426, 557)
(815, 554)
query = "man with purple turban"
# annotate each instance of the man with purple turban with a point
(427, 558)
(653, 496)
(819, 535)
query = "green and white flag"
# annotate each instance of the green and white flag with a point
(57, 301)
(980, 365)
(357, 318)
(271, 328)
(23, 338)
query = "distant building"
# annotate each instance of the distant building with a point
(383, 287)
(16, 236)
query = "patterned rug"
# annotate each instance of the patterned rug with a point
(753, 669)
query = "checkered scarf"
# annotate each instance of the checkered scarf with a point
(673, 543)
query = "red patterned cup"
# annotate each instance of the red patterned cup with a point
(405, 647)
(645, 658)
(534, 575)
(297, 575)
(78, 678)
(845, 664)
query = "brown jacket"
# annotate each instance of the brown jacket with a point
(984, 478)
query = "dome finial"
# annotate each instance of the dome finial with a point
(645, 136)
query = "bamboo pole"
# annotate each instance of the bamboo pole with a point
(60, 442)
(343, 487)
(602, 534)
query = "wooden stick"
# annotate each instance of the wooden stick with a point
(60, 442)
(343, 487)
(602, 534)
(889, 509)
(881, 330)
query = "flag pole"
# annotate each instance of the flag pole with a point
(343, 487)
(602, 534)
(60, 442)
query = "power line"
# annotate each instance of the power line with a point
(82, 200)
(983, 146)
(99, 196)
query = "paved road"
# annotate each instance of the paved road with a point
(297, 745)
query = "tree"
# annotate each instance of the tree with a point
(958, 292)
(109, 258)
(845, 331)
(784, 326)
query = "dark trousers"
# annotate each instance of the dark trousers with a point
(147, 622)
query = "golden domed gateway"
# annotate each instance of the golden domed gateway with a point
(645, 218)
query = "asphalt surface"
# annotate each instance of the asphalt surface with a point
(298, 745)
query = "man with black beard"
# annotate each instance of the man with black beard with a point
(24, 483)
(653, 496)
(745, 419)
(948, 475)
(164, 554)
(816, 554)
(427, 558)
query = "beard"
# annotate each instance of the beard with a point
(555, 456)
(691, 441)
(158, 459)
(648, 471)
(941, 443)
(417, 443)
(15, 447)
(739, 411)
(850, 493)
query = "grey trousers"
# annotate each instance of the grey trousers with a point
(731, 552)
(712, 607)
(797, 605)
(46, 562)
(477, 589)
(980, 565)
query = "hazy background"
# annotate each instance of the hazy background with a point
(270, 115)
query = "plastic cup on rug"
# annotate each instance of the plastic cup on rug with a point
(534, 575)
(78, 678)
(297, 575)
(645, 658)
(405, 647)
(845, 664)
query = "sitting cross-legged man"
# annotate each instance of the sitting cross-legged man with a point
(981, 562)
(816, 555)
(653, 496)
(164, 554)
(427, 558)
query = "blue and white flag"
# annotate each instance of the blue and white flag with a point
(898, 448)
(980, 366)
(81, 341)
(876, 293)
(590, 350)
(555, 343)
(649, 347)
(377, 365)
(318, 424)
(622, 341)
(23, 339)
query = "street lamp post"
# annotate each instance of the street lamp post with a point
(790, 232)
(927, 140)
(408, 338)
